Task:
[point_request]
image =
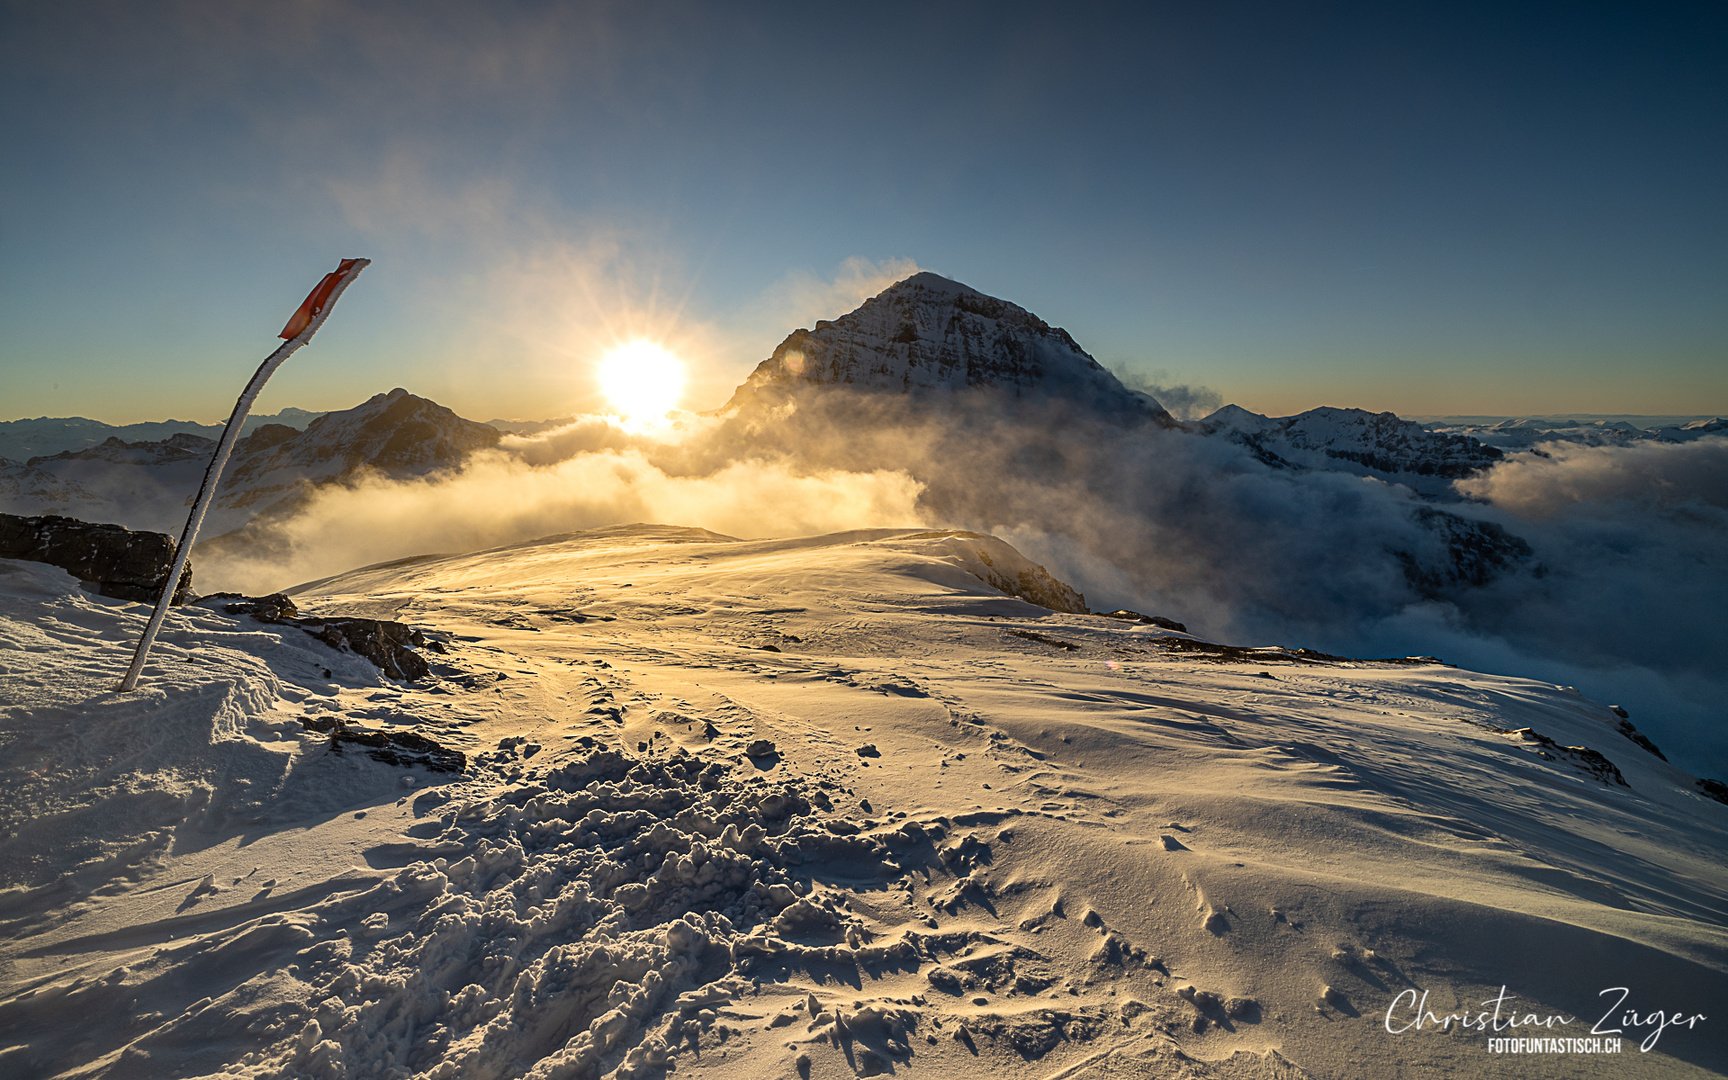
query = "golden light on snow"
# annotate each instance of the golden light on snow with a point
(642, 379)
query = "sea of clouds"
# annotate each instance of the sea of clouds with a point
(1621, 596)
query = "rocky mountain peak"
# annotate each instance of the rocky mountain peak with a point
(930, 334)
(395, 432)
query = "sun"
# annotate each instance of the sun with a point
(642, 379)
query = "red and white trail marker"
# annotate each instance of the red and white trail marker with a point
(306, 321)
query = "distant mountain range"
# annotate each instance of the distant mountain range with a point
(1519, 433)
(929, 353)
(21, 440)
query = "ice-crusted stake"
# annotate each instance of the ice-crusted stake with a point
(306, 321)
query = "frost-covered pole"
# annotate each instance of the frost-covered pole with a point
(313, 311)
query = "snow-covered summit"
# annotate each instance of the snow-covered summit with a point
(929, 333)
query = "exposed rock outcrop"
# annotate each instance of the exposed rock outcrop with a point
(1460, 551)
(1151, 620)
(112, 559)
(388, 645)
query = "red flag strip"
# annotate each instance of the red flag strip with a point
(315, 301)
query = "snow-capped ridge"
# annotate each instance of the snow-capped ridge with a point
(1353, 440)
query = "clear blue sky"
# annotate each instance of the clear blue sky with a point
(1450, 208)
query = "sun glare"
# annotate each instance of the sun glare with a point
(642, 379)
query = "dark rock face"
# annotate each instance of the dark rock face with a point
(1627, 729)
(1151, 620)
(1468, 553)
(389, 645)
(267, 435)
(929, 333)
(112, 559)
(401, 749)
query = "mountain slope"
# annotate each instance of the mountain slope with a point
(395, 433)
(1009, 424)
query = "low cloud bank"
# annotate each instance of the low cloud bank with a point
(1618, 592)
(499, 498)
(1561, 478)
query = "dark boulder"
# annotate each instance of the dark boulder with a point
(112, 559)
(389, 645)
(275, 608)
(399, 748)
(1151, 620)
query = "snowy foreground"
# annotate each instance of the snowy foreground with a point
(986, 840)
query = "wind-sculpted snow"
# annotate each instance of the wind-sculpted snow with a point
(830, 806)
(112, 780)
(581, 923)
